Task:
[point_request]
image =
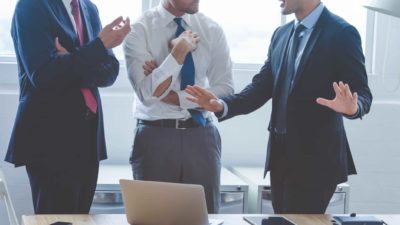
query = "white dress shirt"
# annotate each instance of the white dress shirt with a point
(67, 4)
(149, 40)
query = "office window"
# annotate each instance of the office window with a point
(6, 12)
(109, 10)
(249, 25)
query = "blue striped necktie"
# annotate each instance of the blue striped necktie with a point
(188, 74)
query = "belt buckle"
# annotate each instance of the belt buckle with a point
(177, 125)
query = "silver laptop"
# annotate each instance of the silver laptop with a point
(156, 203)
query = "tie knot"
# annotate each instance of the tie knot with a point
(299, 28)
(178, 20)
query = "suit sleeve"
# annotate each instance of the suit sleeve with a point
(105, 73)
(350, 66)
(254, 95)
(35, 45)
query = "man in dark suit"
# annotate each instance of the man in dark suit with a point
(63, 56)
(308, 152)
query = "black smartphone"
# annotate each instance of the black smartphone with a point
(61, 223)
(276, 220)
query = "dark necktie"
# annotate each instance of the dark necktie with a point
(90, 100)
(286, 80)
(188, 75)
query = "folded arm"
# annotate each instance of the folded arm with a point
(154, 85)
(35, 46)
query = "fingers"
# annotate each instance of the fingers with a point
(200, 91)
(342, 90)
(115, 23)
(324, 102)
(196, 40)
(60, 49)
(192, 99)
(126, 28)
(149, 66)
(192, 91)
(188, 90)
(348, 92)
(337, 90)
(114, 33)
(58, 45)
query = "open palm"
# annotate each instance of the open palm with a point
(344, 102)
(204, 98)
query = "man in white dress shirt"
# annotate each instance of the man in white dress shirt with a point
(172, 46)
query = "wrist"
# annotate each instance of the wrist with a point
(179, 52)
(220, 105)
(353, 111)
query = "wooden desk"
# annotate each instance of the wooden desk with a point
(231, 219)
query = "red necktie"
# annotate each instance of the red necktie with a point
(90, 100)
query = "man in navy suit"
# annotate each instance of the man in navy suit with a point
(63, 56)
(308, 153)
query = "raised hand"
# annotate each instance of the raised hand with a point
(60, 49)
(345, 102)
(114, 33)
(189, 38)
(204, 98)
(182, 45)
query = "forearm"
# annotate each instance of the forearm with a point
(102, 75)
(55, 71)
(154, 87)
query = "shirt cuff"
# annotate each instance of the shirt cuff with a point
(183, 102)
(169, 67)
(225, 112)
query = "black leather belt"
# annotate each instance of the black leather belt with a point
(172, 123)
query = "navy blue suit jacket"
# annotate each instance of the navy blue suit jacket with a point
(318, 151)
(50, 123)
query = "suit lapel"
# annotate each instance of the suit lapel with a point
(86, 18)
(63, 19)
(284, 45)
(306, 56)
(310, 47)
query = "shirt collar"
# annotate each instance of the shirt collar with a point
(67, 2)
(167, 18)
(310, 20)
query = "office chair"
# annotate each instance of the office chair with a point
(4, 194)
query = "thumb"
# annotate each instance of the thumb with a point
(324, 102)
(58, 45)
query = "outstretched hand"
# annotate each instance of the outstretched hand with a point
(204, 98)
(345, 102)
